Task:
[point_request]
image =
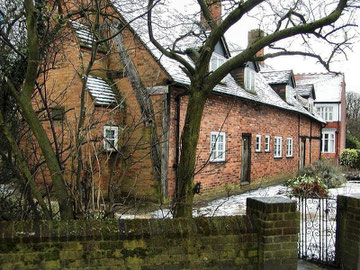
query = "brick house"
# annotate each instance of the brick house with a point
(330, 104)
(250, 133)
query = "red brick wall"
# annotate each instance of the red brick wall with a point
(63, 87)
(237, 117)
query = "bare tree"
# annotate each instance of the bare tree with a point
(281, 21)
(353, 115)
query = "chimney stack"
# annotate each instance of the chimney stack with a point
(215, 11)
(254, 35)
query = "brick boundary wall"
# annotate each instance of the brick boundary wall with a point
(264, 238)
(348, 232)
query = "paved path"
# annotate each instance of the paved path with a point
(304, 265)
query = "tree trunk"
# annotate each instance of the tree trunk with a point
(65, 205)
(26, 175)
(185, 175)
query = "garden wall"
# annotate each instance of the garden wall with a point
(263, 239)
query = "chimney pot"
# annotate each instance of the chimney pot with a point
(215, 11)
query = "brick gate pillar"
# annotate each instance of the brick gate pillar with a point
(277, 222)
(348, 231)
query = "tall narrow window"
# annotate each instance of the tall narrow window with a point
(278, 147)
(216, 61)
(328, 141)
(289, 147)
(217, 146)
(250, 76)
(267, 143)
(110, 138)
(258, 143)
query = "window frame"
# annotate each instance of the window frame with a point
(333, 140)
(216, 158)
(217, 59)
(289, 147)
(258, 143)
(107, 145)
(325, 112)
(267, 143)
(249, 79)
(277, 147)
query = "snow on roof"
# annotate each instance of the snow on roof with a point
(84, 33)
(132, 10)
(100, 91)
(277, 76)
(328, 86)
(304, 90)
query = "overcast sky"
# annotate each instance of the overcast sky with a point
(299, 64)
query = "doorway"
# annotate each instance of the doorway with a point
(245, 158)
(302, 153)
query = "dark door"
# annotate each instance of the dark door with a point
(302, 153)
(245, 158)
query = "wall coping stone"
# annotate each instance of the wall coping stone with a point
(111, 229)
(271, 204)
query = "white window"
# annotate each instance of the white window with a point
(216, 61)
(110, 138)
(328, 142)
(250, 76)
(277, 147)
(258, 143)
(267, 143)
(326, 112)
(217, 146)
(289, 147)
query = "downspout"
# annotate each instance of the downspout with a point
(338, 133)
(321, 141)
(310, 141)
(299, 142)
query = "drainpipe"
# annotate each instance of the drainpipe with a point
(321, 141)
(299, 141)
(310, 141)
(338, 133)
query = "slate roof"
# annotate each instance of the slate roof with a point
(328, 86)
(264, 93)
(100, 91)
(277, 77)
(84, 33)
(305, 90)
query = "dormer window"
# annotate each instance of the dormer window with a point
(84, 34)
(249, 79)
(216, 61)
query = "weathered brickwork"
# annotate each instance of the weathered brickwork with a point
(63, 88)
(239, 242)
(348, 231)
(235, 117)
(278, 224)
(231, 115)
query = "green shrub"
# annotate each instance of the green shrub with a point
(352, 142)
(308, 186)
(350, 158)
(330, 175)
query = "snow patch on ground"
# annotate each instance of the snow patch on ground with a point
(236, 204)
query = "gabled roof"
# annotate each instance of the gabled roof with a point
(306, 91)
(279, 76)
(328, 86)
(100, 91)
(132, 10)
